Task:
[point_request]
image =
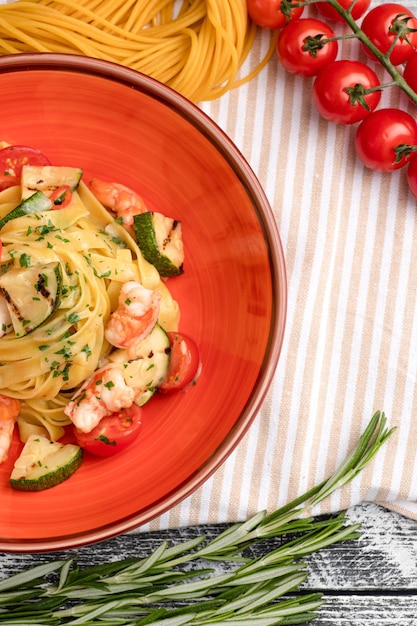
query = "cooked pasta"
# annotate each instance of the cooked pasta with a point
(196, 47)
(96, 256)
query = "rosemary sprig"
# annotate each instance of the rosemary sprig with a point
(176, 584)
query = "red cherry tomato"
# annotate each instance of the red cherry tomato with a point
(412, 175)
(296, 46)
(410, 71)
(13, 158)
(379, 134)
(332, 100)
(272, 13)
(61, 196)
(359, 8)
(183, 363)
(381, 25)
(113, 433)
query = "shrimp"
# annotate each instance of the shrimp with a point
(5, 319)
(134, 318)
(119, 199)
(9, 412)
(104, 393)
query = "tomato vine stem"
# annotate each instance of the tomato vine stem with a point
(380, 56)
(358, 33)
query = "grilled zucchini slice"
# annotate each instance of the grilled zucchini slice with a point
(32, 294)
(150, 367)
(47, 178)
(160, 241)
(43, 464)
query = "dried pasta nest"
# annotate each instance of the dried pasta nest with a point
(195, 47)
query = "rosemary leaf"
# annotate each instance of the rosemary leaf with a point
(30, 575)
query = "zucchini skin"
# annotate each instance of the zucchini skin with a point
(32, 295)
(47, 481)
(36, 203)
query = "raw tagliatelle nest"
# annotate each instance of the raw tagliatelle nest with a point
(196, 47)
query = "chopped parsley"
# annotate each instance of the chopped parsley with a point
(24, 260)
(72, 318)
(106, 440)
(87, 350)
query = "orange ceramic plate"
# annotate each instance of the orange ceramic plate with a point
(122, 126)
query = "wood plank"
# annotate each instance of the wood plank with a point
(368, 610)
(384, 558)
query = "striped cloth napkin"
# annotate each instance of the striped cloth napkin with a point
(350, 240)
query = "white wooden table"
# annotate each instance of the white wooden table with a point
(371, 581)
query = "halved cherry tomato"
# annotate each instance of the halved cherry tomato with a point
(13, 158)
(302, 46)
(61, 196)
(183, 363)
(339, 91)
(387, 25)
(272, 13)
(358, 9)
(113, 433)
(385, 140)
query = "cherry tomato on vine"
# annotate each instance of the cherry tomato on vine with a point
(302, 46)
(412, 175)
(339, 91)
(359, 8)
(384, 139)
(272, 13)
(410, 71)
(383, 24)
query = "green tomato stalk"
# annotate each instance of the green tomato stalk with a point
(383, 58)
(401, 30)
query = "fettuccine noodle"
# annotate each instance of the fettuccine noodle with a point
(97, 255)
(194, 46)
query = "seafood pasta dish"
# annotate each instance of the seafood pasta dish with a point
(88, 326)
